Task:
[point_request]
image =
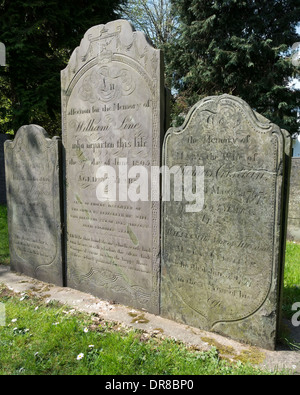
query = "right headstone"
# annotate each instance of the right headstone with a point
(294, 203)
(222, 261)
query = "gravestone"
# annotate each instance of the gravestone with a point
(294, 202)
(222, 263)
(3, 138)
(32, 163)
(113, 115)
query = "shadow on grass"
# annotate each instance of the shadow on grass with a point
(4, 246)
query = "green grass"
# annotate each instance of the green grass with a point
(47, 339)
(4, 248)
(291, 292)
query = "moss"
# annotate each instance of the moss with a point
(46, 296)
(252, 355)
(139, 319)
(224, 350)
(160, 330)
(5, 293)
(133, 315)
(45, 288)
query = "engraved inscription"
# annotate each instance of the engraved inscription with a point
(32, 168)
(294, 202)
(219, 264)
(102, 84)
(111, 118)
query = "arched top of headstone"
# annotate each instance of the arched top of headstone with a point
(31, 136)
(103, 42)
(33, 184)
(227, 110)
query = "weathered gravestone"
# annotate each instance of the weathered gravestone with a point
(3, 138)
(222, 265)
(113, 115)
(294, 202)
(32, 163)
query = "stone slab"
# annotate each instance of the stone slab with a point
(222, 265)
(294, 202)
(113, 115)
(32, 164)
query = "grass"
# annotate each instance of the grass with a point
(41, 338)
(82, 344)
(291, 292)
(4, 247)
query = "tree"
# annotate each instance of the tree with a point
(156, 19)
(237, 47)
(153, 17)
(39, 36)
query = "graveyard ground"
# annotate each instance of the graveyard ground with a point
(84, 342)
(80, 343)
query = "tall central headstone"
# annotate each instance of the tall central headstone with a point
(222, 262)
(113, 116)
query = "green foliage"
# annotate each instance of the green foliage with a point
(4, 246)
(291, 292)
(153, 17)
(40, 36)
(5, 106)
(241, 48)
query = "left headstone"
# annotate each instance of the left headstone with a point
(32, 164)
(3, 138)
